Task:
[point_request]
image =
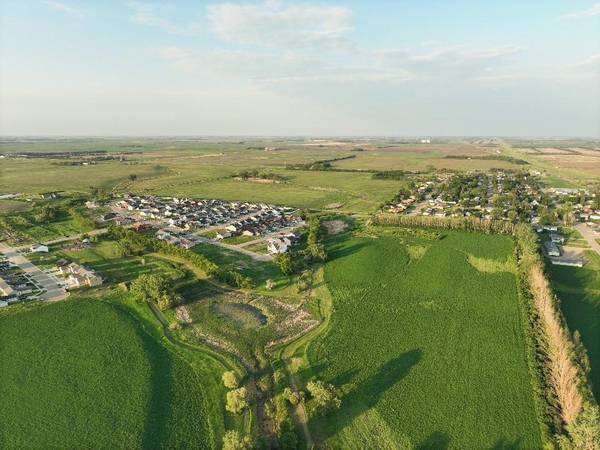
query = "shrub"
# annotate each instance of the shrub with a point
(237, 400)
(230, 379)
(234, 441)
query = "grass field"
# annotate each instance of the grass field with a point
(430, 349)
(85, 374)
(579, 292)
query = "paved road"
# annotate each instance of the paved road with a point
(589, 236)
(54, 291)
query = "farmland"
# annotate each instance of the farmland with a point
(86, 373)
(429, 349)
(421, 333)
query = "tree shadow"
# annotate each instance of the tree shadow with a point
(505, 444)
(337, 251)
(435, 441)
(156, 430)
(367, 394)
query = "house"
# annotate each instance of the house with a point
(557, 238)
(91, 204)
(5, 289)
(38, 248)
(276, 246)
(48, 195)
(108, 216)
(78, 276)
(551, 248)
(222, 235)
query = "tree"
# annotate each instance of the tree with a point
(285, 263)
(264, 383)
(234, 441)
(155, 288)
(237, 400)
(230, 380)
(291, 396)
(324, 395)
(132, 177)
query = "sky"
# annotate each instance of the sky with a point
(300, 68)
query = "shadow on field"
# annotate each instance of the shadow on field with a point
(505, 444)
(339, 250)
(159, 408)
(367, 394)
(435, 441)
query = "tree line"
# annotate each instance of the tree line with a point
(131, 243)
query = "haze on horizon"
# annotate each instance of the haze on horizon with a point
(292, 68)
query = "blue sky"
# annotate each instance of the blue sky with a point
(280, 67)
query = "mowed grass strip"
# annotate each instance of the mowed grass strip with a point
(84, 374)
(431, 350)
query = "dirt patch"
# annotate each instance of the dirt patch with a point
(335, 226)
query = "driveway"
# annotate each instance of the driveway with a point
(54, 291)
(589, 236)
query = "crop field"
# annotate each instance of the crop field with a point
(86, 374)
(427, 342)
(579, 293)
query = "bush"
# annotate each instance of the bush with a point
(237, 400)
(234, 441)
(230, 379)
(324, 396)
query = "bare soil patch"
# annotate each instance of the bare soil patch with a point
(335, 226)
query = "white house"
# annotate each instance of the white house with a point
(39, 248)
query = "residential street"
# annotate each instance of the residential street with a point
(589, 236)
(54, 291)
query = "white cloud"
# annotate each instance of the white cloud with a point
(592, 11)
(146, 14)
(63, 7)
(276, 24)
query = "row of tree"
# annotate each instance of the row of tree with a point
(572, 414)
(455, 223)
(131, 243)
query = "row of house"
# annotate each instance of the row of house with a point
(78, 275)
(178, 238)
(251, 219)
(15, 285)
(187, 213)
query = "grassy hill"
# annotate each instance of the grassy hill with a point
(426, 340)
(85, 374)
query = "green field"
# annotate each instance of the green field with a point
(86, 374)
(430, 350)
(579, 292)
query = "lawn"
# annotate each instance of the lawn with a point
(86, 374)
(429, 348)
(579, 292)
